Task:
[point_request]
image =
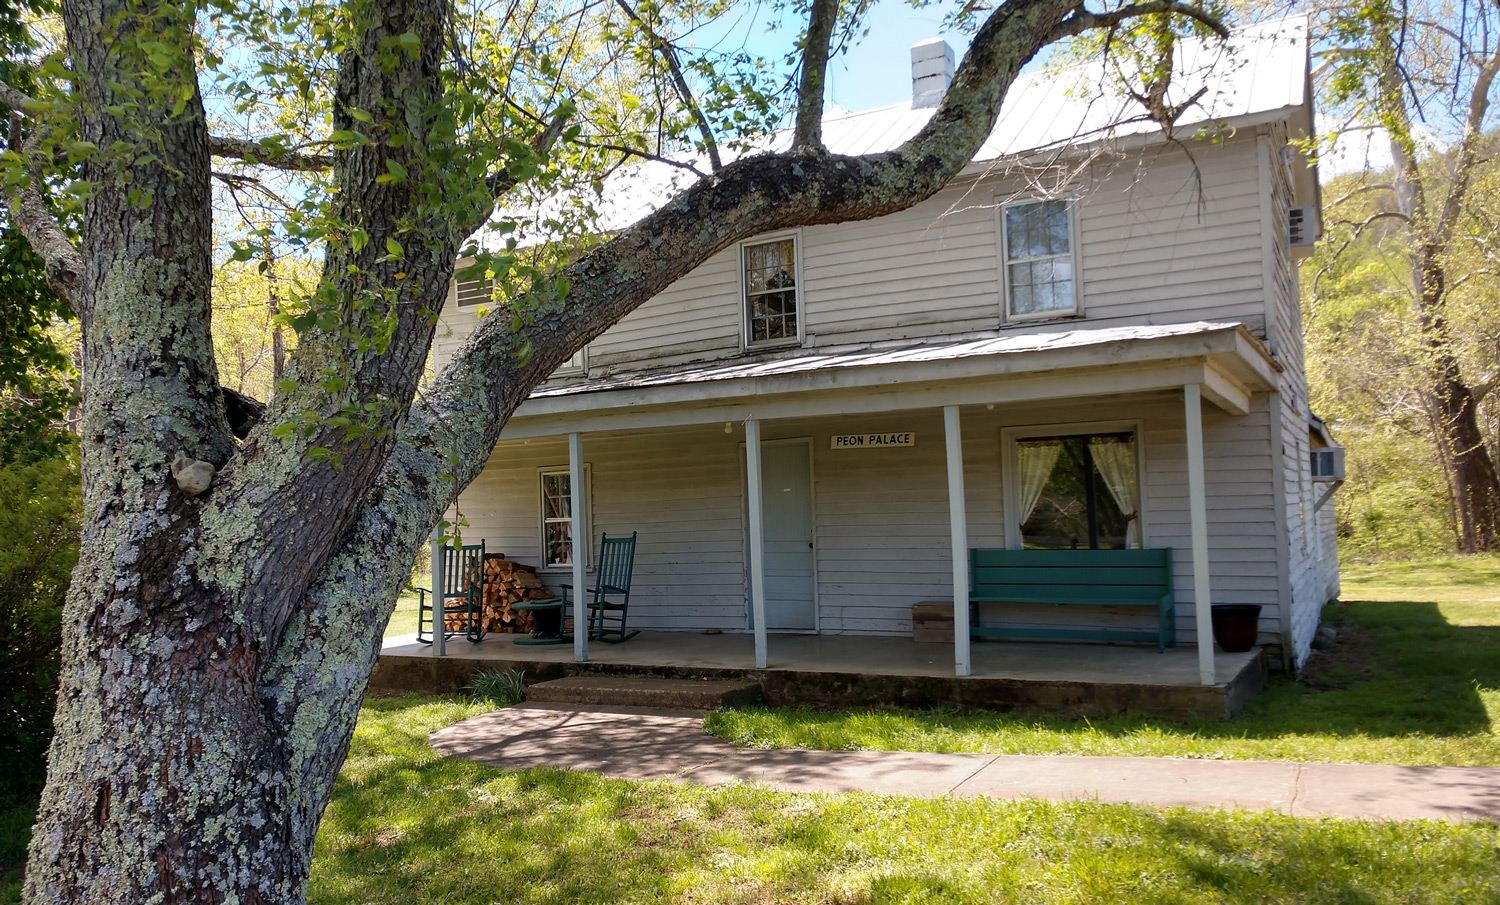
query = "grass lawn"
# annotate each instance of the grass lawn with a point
(1415, 679)
(404, 619)
(407, 826)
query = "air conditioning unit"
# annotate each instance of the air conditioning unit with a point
(1328, 463)
(1300, 226)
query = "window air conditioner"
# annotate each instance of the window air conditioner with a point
(1328, 464)
(1299, 226)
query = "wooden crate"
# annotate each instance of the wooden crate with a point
(932, 622)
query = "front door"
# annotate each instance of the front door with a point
(786, 501)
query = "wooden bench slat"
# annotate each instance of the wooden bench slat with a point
(1074, 578)
(1073, 575)
(1087, 558)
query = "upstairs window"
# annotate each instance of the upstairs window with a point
(771, 304)
(1039, 259)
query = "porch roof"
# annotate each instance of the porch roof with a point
(1228, 361)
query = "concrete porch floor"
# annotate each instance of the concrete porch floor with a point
(864, 670)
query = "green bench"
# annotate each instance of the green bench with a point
(1112, 578)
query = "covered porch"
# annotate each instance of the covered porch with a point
(958, 394)
(1088, 680)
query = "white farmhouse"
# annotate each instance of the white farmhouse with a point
(1090, 341)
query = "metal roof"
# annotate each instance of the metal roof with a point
(803, 361)
(1261, 70)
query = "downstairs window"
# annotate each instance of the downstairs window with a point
(1078, 492)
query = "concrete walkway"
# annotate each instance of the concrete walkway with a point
(642, 743)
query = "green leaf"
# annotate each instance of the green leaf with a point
(395, 169)
(394, 247)
(361, 115)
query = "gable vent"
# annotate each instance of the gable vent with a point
(475, 292)
(1299, 226)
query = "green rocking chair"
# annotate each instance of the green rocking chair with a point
(611, 591)
(463, 595)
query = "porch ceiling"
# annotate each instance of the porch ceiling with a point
(1225, 359)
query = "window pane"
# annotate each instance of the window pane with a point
(1037, 229)
(1045, 285)
(557, 501)
(558, 537)
(771, 290)
(1078, 504)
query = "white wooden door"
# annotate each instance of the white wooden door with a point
(786, 498)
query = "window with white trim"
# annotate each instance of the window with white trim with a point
(1077, 491)
(1039, 259)
(560, 510)
(772, 316)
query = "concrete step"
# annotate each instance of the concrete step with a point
(646, 691)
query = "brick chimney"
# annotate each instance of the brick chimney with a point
(931, 71)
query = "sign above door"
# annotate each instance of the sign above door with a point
(873, 441)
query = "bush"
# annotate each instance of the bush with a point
(499, 687)
(40, 508)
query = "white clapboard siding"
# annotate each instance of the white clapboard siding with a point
(1161, 238)
(680, 490)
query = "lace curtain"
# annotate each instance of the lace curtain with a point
(1034, 461)
(1115, 459)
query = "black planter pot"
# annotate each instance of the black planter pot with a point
(1235, 625)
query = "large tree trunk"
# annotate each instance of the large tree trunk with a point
(1431, 197)
(1467, 460)
(217, 646)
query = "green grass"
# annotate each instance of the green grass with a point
(15, 835)
(1415, 679)
(404, 619)
(407, 826)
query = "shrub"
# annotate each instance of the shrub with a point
(40, 507)
(499, 687)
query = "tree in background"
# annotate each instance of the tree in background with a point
(39, 492)
(236, 572)
(1422, 79)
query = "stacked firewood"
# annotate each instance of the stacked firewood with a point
(507, 582)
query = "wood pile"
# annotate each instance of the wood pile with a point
(508, 582)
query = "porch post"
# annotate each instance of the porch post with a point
(439, 553)
(757, 540)
(959, 525)
(578, 499)
(1192, 402)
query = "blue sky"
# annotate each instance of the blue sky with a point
(875, 72)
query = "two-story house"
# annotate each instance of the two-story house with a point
(1090, 340)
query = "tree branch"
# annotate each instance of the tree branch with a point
(679, 84)
(29, 213)
(1085, 20)
(646, 155)
(1360, 190)
(808, 134)
(14, 99)
(1466, 157)
(253, 152)
(497, 184)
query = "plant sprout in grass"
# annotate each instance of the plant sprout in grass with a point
(502, 688)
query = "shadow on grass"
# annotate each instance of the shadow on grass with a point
(407, 826)
(1403, 685)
